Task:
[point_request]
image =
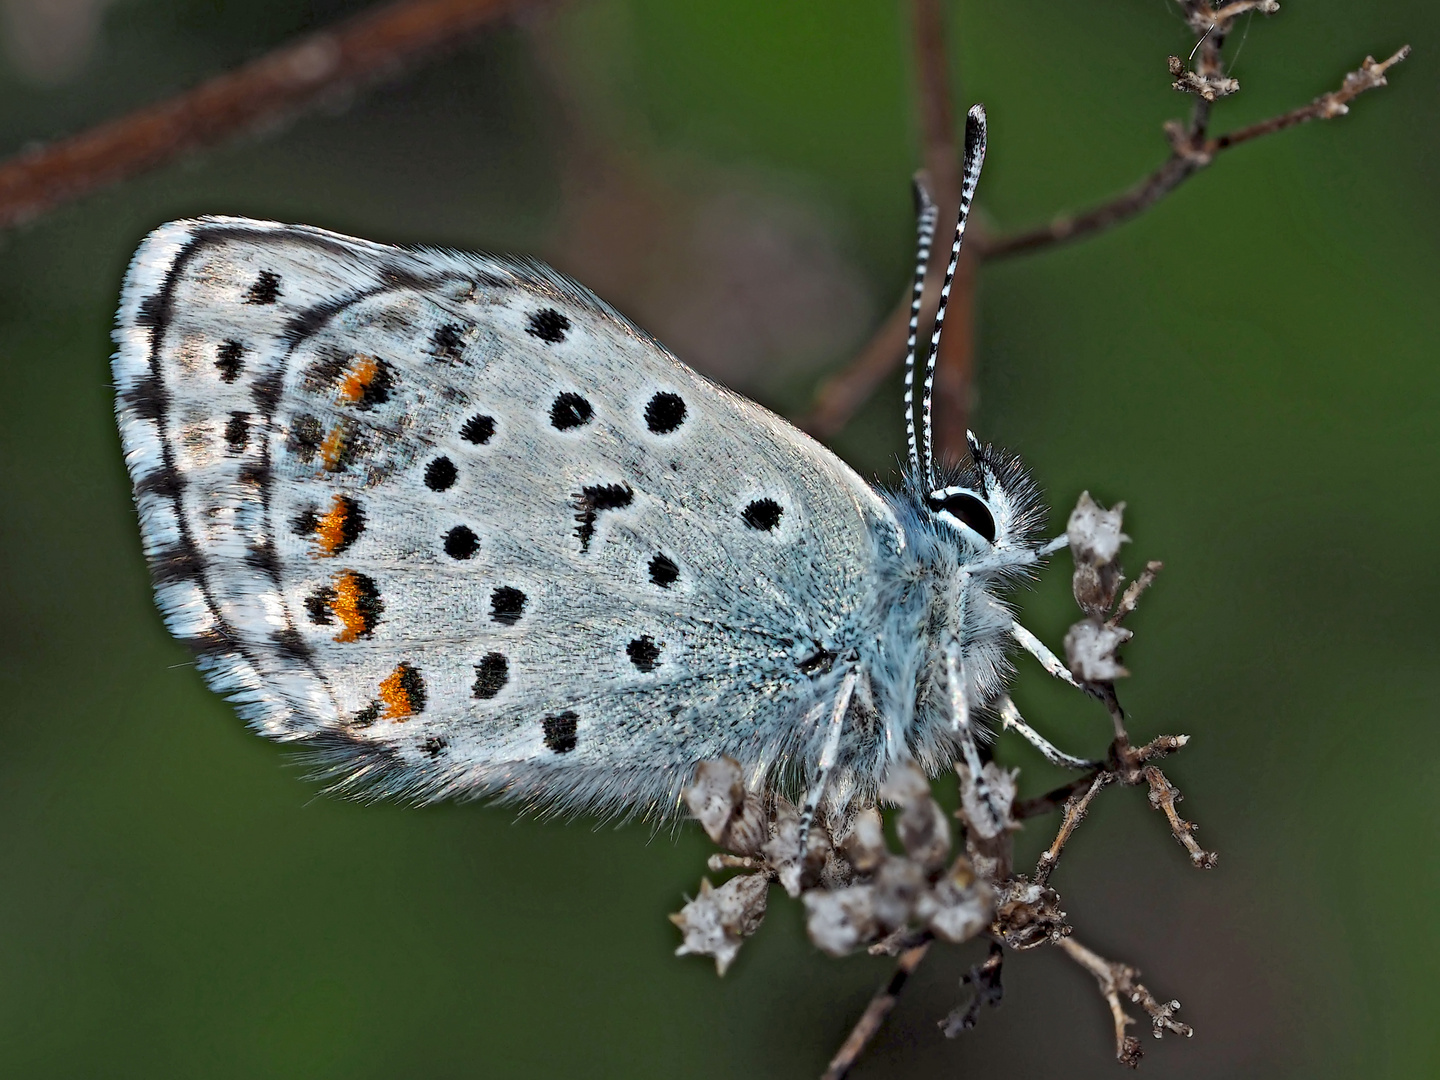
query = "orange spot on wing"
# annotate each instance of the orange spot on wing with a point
(358, 379)
(403, 692)
(330, 534)
(333, 447)
(356, 604)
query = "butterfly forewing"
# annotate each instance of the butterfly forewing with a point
(457, 518)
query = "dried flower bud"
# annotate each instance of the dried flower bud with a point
(1090, 651)
(841, 920)
(782, 850)
(731, 816)
(717, 921)
(864, 844)
(958, 906)
(898, 885)
(1094, 532)
(1095, 540)
(716, 795)
(923, 830)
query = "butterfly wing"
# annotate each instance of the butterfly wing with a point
(457, 523)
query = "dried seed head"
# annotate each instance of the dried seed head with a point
(716, 795)
(1095, 540)
(1090, 651)
(717, 921)
(841, 920)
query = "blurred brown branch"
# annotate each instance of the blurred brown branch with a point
(876, 1013)
(368, 48)
(1190, 151)
(1192, 148)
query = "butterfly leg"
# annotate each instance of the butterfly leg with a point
(960, 724)
(1010, 718)
(1038, 649)
(828, 754)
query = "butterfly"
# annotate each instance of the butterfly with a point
(457, 526)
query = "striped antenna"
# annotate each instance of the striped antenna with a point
(974, 159)
(926, 210)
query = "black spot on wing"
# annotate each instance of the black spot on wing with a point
(491, 675)
(230, 360)
(569, 411)
(591, 501)
(762, 514)
(507, 604)
(665, 413)
(448, 342)
(434, 745)
(367, 716)
(643, 653)
(265, 290)
(560, 732)
(548, 325)
(663, 571)
(478, 430)
(237, 432)
(440, 474)
(318, 604)
(461, 542)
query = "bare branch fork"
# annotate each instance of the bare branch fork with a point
(1192, 148)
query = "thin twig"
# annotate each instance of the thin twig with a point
(1133, 591)
(875, 1014)
(370, 47)
(1163, 796)
(1076, 807)
(1118, 981)
(1188, 156)
(1051, 800)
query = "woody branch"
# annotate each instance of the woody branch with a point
(1192, 149)
(283, 83)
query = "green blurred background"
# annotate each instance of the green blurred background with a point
(1250, 365)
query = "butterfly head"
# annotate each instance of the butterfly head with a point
(987, 505)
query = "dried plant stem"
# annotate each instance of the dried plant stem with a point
(1191, 149)
(286, 81)
(875, 1014)
(1189, 154)
(1163, 796)
(1076, 807)
(1118, 980)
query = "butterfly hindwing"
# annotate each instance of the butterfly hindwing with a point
(456, 520)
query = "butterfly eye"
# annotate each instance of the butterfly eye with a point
(965, 507)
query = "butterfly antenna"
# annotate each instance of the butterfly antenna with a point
(974, 159)
(926, 211)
